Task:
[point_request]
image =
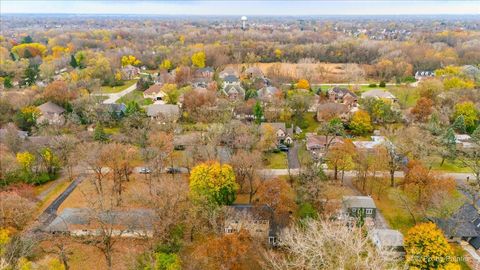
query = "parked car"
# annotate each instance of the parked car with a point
(173, 170)
(282, 147)
(145, 170)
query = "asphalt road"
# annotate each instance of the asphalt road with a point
(292, 156)
(50, 212)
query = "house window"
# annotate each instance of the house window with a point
(272, 240)
(369, 211)
(228, 230)
(354, 210)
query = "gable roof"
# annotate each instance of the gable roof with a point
(154, 89)
(165, 109)
(230, 78)
(268, 90)
(386, 238)
(341, 92)
(232, 89)
(378, 93)
(276, 126)
(461, 223)
(358, 202)
(50, 107)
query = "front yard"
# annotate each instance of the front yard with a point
(116, 89)
(136, 96)
(275, 160)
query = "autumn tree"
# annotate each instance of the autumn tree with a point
(469, 112)
(29, 50)
(15, 211)
(58, 92)
(427, 248)
(245, 164)
(331, 130)
(426, 184)
(303, 84)
(214, 183)
(279, 196)
(229, 251)
(361, 124)
(422, 109)
(341, 157)
(130, 60)
(198, 59)
(430, 88)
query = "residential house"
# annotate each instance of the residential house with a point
(316, 144)
(234, 92)
(257, 220)
(420, 75)
(463, 225)
(12, 130)
(327, 111)
(206, 72)
(116, 109)
(354, 206)
(51, 113)
(201, 82)
(380, 94)
(134, 223)
(343, 96)
(227, 72)
(268, 93)
(254, 72)
(283, 134)
(464, 141)
(388, 240)
(164, 112)
(130, 72)
(371, 145)
(155, 92)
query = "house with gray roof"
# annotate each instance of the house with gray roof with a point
(268, 93)
(136, 223)
(51, 113)
(388, 240)
(354, 206)
(464, 225)
(164, 112)
(379, 94)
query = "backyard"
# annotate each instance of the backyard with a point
(116, 89)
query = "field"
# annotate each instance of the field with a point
(331, 72)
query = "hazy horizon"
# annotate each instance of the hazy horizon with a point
(236, 8)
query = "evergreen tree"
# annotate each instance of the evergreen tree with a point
(459, 124)
(30, 76)
(27, 39)
(434, 125)
(258, 112)
(73, 61)
(476, 135)
(7, 83)
(448, 145)
(99, 134)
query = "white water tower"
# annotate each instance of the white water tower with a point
(244, 22)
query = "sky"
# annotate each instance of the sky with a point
(219, 7)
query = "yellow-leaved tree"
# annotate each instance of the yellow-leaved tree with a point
(29, 50)
(166, 64)
(361, 123)
(26, 161)
(130, 60)
(427, 248)
(198, 59)
(303, 84)
(213, 182)
(278, 53)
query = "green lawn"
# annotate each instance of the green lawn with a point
(407, 97)
(276, 160)
(449, 165)
(116, 89)
(313, 124)
(135, 96)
